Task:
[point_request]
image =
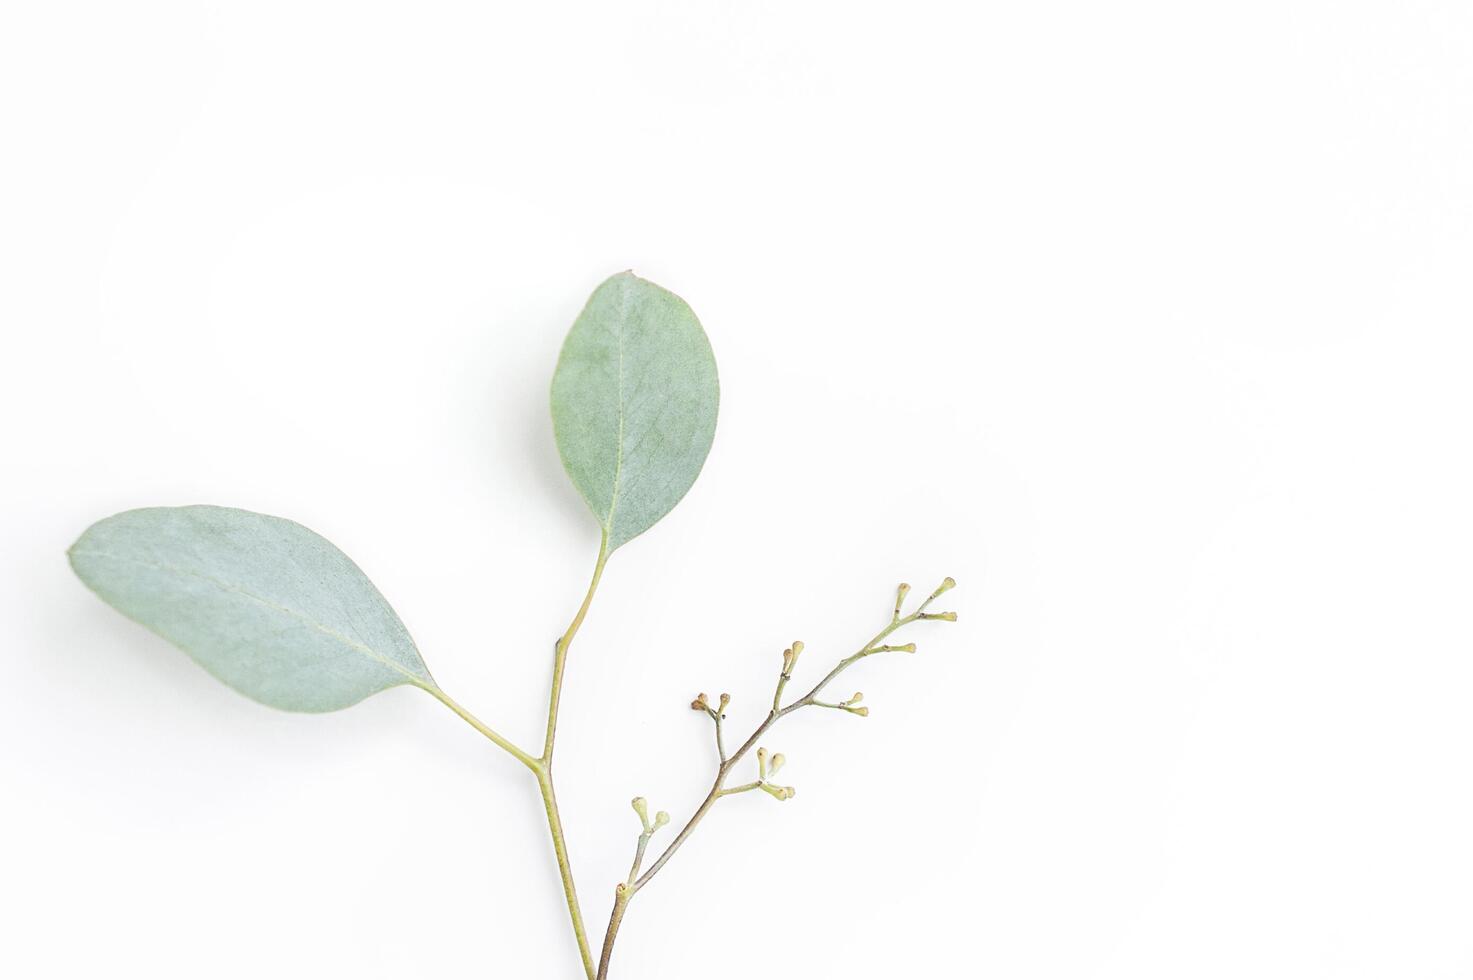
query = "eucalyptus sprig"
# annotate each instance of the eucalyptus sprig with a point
(281, 615)
(767, 765)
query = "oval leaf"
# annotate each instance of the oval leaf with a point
(264, 604)
(634, 404)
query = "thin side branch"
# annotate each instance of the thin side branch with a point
(649, 828)
(626, 891)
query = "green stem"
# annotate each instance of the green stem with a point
(744, 788)
(644, 840)
(565, 867)
(560, 651)
(543, 767)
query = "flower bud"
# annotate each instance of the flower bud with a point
(641, 808)
(661, 819)
(777, 763)
(790, 656)
(700, 703)
(779, 792)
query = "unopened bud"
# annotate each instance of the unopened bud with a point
(725, 700)
(949, 617)
(661, 819)
(777, 763)
(862, 711)
(900, 595)
(779, 792)
(641, 808)
(945, 586)
(858, 697)
(762, 763)
(700, 703)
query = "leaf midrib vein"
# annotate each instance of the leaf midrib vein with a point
(303, 617)
(619, 439)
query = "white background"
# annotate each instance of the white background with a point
(1146, 321)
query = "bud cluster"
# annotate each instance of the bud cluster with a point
(790, 660)
(770, 764)
(790, 657)
(703, 703)
(767, 767)
(642, 808)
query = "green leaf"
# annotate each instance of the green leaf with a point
(634, 404)
(264, 604)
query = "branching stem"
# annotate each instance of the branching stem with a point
(626, 891)
(544, 772)
(541, 767)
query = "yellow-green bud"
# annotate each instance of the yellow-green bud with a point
(779, 792)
